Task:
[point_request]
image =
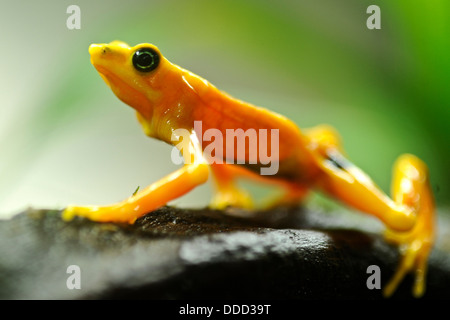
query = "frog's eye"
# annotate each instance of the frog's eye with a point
(145, 59)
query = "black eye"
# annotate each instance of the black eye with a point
(145, 59)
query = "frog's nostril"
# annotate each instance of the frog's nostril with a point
(98, 48)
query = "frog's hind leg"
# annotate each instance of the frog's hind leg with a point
(409, 216)
(410, 187)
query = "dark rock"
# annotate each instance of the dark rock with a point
(171, 253)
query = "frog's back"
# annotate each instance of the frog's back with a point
(218, 110)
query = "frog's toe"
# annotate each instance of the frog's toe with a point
(68, 214)
(415, 247)
(72, 211)
(414, 257)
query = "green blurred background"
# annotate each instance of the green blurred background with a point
(65, 138)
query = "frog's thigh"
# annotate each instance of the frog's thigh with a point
(344, 181)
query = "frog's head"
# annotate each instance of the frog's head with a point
(132, 73)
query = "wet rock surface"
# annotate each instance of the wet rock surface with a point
(285, 253)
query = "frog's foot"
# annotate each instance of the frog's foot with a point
(112, 213)
(411, 187)
(231, 197)
(414, 248)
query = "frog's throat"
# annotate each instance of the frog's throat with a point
(139, 101)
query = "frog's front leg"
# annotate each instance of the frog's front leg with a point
(176, 184)
(409, 216)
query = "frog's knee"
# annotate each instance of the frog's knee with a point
(325, 136)
(400, 218)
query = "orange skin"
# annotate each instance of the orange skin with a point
(168, 98)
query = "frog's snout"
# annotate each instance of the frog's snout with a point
(96, 49)
(99, 53)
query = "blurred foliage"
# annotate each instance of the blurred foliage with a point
(386, 91)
